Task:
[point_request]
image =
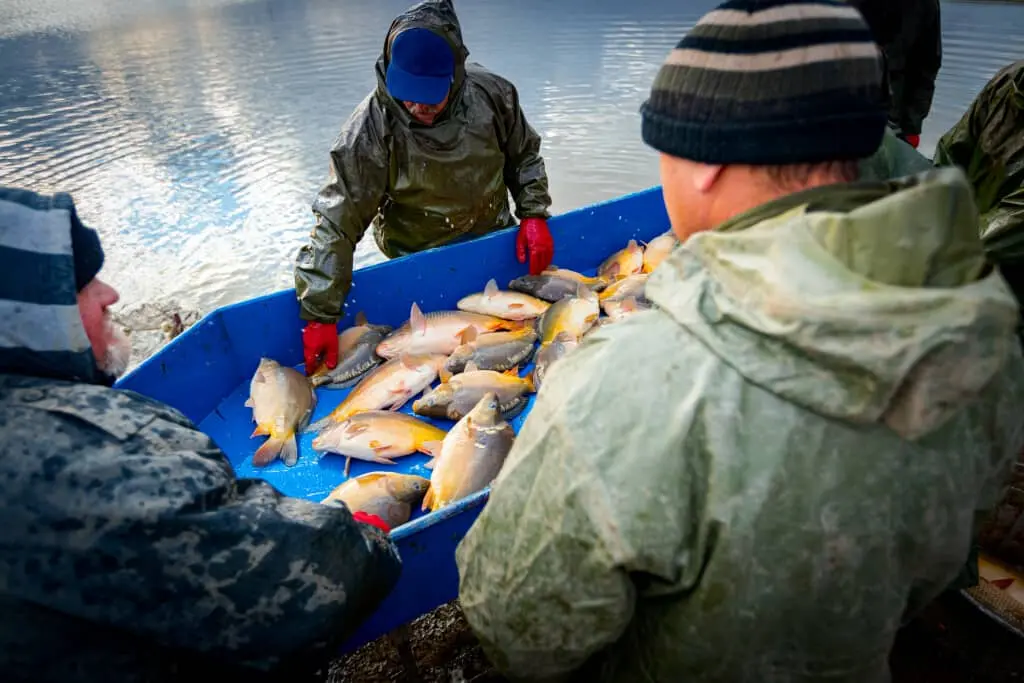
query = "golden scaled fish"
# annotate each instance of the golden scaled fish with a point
(595, 283)
(472, 454)
(574, 315)
(453, 399)
(508, 305)
(631, 286)
(550, 353)
(658, 249)
(388, 495)
(499, 351)
(390, 386)
(620, 310)
(379, 436)
(282, 399)
(357, 355)
(438, 332)
(622, 263)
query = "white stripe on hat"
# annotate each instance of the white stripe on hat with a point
(771, 61)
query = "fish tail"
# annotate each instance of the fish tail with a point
(266, 453)
(428, 499)
(290, 451)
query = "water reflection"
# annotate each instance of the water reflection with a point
(194, 133)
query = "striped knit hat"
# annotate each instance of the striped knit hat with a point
(770, 82)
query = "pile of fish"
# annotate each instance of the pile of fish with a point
(475, 354)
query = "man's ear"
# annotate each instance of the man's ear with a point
(705, 177)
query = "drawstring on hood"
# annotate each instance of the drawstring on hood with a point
(41, 331)
(438, 16)
(872, 300)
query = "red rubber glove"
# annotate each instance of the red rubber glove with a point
(534, 236)
(320, 341)
(914, 140)
(372, 520)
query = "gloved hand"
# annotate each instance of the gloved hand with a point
(913, 140)
(372, 520)
(320, 340)
(534, 236)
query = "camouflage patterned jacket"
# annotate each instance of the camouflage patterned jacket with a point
(129, 551)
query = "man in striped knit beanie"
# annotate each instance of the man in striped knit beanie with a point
(767, 472)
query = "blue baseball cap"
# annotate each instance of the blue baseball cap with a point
(421, 67)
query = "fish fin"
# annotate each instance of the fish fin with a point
(428, 499)
(613, 271)
(356, 428)
(514, 371)
(491, 288)
(260, 430)
(469, 334)
(431, 448)
(430, 463)
(290, 451)
(445, 374)
(632, 245)
(564, 336)
(471, 366)
(383, 461)
(249, 403)
(378, 446)
(590, 319)
(266, 453)
(515, 306)
(319, 425)
(361, 319)
(529, 383)
(629, 303)
(417, 321)
(348, 464)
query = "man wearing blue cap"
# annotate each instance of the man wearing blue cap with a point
(429, 158)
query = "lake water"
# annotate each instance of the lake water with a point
(194, 133)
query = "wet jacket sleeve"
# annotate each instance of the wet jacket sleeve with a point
(343, 210)
(525, 175)
(552, 568)
(153, 534)
(922, 68)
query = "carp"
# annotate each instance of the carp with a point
(622, 263)
(508, 305)
(499, 351)
(282, 400)
(575, 314)
(378, 436)
(549, 353)
(595, 283)
(472, 454)
(455, 398)
(357, 355)
(620, 310)
(388, 495)
(389, 386)
(630, 286)
(658, 249)
(438, 332)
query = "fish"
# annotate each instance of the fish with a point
(357, 355)
(622, 263)
(507, 305)
(620, 310)
(549, 353)
(499, 351)
(619, 290)
(282, 400)
(379, 436)
(472, 454)
(573, 314)
(438, 332)
(453, 399)
(389, 386)
(658, 249)
(546, 287)
(388, 495)
(595, 283)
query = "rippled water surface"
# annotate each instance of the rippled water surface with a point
(194, 133)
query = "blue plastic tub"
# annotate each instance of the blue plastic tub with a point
(205, 373)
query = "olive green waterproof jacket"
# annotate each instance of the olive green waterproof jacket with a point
(421, 186)
(893, 159)
(761, 478)
(988, 144)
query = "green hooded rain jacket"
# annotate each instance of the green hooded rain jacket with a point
(421, 186)
(763, 476)
(988, 144)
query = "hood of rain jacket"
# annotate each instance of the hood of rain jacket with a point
(760, 478)
(42, 333)
(421, 186)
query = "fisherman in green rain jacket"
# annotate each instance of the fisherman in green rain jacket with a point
(988, 144)
(763, 476)
(429, 157)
